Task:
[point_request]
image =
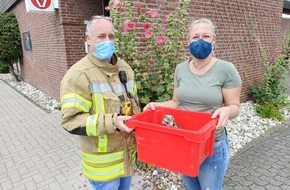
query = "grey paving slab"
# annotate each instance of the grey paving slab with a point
(263, 164)
(35, 151)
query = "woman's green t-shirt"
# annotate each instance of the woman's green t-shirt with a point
(203, 93)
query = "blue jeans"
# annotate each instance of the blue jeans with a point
(212, 170)
(123, 183)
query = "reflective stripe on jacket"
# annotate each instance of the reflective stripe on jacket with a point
(90, 104)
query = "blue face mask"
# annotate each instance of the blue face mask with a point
(104, 50)
(200, 49)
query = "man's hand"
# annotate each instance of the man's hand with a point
(121, 120)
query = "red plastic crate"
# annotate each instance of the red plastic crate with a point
(180, 149)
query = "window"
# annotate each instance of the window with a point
(27, 41)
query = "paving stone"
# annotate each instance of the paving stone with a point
(15, 178)
(257, 187)
(23, 182)
(267, 170)
(22, 187)
(7, 185)
(55, 186)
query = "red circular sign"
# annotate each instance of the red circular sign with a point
(41, 4)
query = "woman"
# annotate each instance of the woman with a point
(206, 84)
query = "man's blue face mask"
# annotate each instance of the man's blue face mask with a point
(200, 49)
(104, 50)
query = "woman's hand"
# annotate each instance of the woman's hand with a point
(224, 115)
(150, 105)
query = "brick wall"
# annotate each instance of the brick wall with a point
(57, 41)
(58, 38)
(73, 14)
(242, 27)
(43, 65)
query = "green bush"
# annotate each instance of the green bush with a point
(269, 111)
(4, 68)
(155, 56)
(10, 42)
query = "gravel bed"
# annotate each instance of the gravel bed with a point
(41, 99)
(247, 126)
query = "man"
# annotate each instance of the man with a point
(97, 96)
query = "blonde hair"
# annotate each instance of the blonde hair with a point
(201, 20)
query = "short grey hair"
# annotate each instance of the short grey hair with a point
(89, 29)
(201, 20)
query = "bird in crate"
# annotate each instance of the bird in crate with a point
(168, 120)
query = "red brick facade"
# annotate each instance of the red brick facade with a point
(58, 38)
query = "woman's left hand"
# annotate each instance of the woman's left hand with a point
(224, 115)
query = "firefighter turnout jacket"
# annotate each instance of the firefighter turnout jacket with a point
(92, 96)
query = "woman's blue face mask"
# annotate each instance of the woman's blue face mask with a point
(104, 50)
(200, 49)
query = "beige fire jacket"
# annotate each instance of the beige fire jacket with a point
(91, 98)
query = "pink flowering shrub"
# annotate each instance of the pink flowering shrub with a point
(269, 94)
(155, 52)
(160, 40)
(128, 26)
